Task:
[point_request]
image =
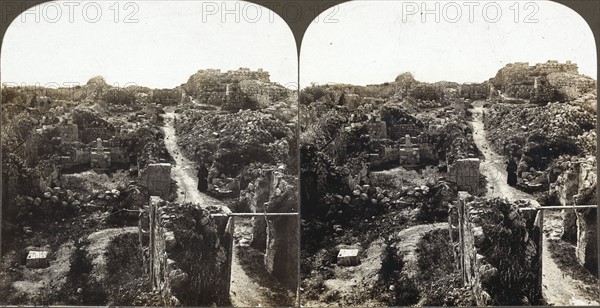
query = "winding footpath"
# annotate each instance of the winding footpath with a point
(244, 290)
(559, 288)
(183, 172)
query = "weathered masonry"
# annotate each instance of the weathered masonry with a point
(465, 173)
(484, 234)
(157, 178)
(187, 252)
(276, 233)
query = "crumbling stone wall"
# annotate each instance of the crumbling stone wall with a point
(157, 178)
(226, 88)
(479, 233)
(281, 256)
(91, 132)
(577, 186)
(474, 90)
(398, 131)
(377, 129)
(465, 173)
(188, 253)
(28, 149)
(264, 93)
(69, 132)
(277, 237)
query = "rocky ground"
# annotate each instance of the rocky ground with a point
(559, 287)
(545, 138)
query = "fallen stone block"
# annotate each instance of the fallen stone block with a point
(37, 259)
(348, 257)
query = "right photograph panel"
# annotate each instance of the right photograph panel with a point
(448, 155)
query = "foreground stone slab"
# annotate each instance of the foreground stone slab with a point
(37, 259)
(348, 257)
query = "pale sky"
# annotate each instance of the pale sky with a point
(170, 41)
(371, 42)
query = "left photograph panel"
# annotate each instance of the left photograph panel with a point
(149, 155)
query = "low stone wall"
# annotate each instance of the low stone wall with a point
(577, 187)
(187, 253)
(277, 237)
(157, 178)
(476, 252)
(465, 173)
(281, 256)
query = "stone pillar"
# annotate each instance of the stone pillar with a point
(566, 191)
(587, 239)
(257, 205)
(281, 258)
(281, 255)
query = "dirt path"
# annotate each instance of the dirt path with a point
(559, 288)
(245, 291)
(184, 170)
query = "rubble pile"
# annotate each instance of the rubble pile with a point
(145, 145)
(555, 126)
(571, 86)
(232, 141)
(91, 125)
(453, 141)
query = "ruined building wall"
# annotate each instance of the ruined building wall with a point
(281, 256)
(398, 131)
(578, 187)
(94, 131)
(478, 234)
(263, 93)
(474, 90)
(465, 173)
(277, 237)
(377, 129)
(188, 254)
(69, 132)
(157, 178)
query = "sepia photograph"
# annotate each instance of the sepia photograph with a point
(360, 153)
(448, 156)
(149, 155)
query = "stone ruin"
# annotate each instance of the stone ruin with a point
(214, 87)
(399, 131)
(100, 158)
(352, 101)
(276, 236)
(377, 129)
(465, 173)
(37, 259)
(474, 90)
(157, 179)
(578, 187)
(466, 220)
(69, 132)
(100, 155)
(187, 253)
(409, 153)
